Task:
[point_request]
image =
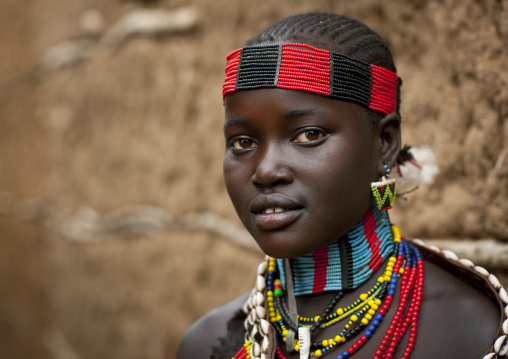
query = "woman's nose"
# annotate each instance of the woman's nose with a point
(272, 168)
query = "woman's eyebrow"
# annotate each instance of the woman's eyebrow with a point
(234, 121)
(299, 112)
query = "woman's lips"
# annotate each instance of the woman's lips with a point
(274, 211)
(276, 220)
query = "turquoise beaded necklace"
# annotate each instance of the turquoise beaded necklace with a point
(363, 250)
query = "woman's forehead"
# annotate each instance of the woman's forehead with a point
(287, 110)
(287, 104)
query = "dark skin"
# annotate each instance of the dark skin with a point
(310, 156)
(314, 158)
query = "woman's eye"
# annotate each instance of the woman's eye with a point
(309, 136)
(243, 143)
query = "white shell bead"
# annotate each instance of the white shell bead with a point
(504, 349)
(419, 241)
(489, 356)
(252, 352)
(264, 326)
(467, 263)
(264, 345)
(260, 311)
(257, 349)
(506, 311)
(499, 343)
(262, 267)
(503, 295)
(263, 356)
(260, 298)
(253, 315)
(434, 249)
(482, 271)
(260, 283)
(494, 281)
(450, 255)
(505, 327)
(254, 331)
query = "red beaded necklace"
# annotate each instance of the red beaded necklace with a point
(410, 263)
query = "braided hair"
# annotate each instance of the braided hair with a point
(332, 32)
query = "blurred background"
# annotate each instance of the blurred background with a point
(116, 231)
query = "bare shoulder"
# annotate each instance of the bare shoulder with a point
(461, 315)
(204, 334)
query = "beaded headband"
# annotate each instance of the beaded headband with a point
(306, 68)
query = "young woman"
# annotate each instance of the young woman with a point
(312, 125)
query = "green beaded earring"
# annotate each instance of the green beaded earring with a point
(384, 191)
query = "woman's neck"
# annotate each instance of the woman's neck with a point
(346, 263)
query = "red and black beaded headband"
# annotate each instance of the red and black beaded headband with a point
(306, 68)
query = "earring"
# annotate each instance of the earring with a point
(384, 191)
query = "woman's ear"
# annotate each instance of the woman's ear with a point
(389, 139)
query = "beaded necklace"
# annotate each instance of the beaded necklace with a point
(360, 313)
(332, 268)
(365, 314)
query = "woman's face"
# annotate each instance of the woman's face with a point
(298, 167)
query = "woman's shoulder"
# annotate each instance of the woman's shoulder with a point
(461, 308)
(203, 335)
(460, 279)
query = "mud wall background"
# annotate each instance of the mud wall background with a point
(116, 232)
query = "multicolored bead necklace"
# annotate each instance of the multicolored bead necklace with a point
(366, 305)
(332, 268)
(365, 314)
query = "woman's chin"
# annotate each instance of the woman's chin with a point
(288, 249)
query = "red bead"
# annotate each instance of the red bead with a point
(350, 350)
(364, 339)
(355, 347)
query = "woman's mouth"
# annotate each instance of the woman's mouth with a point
(274, 211)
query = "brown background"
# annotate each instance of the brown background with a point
(136, 133)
